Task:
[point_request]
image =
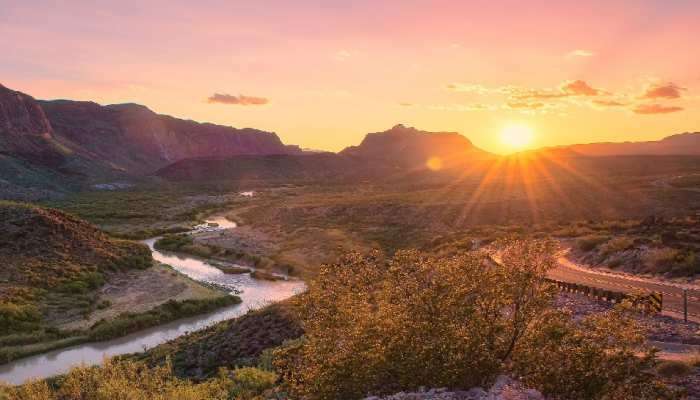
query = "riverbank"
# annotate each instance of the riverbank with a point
(251, 293)
(110, 323)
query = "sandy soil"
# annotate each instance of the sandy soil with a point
(141, 290)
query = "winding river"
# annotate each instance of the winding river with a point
(254, 294)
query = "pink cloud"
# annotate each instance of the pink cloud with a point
(579, 88)
(655, 109)
(666, 91)
(242, 100)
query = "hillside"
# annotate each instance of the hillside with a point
(44, 248)
(684, 144)
(49, 147)
(400, 152)
(275, 168)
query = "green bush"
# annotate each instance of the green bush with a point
(18, 318)
(249, 382)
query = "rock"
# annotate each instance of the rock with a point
(505, 388)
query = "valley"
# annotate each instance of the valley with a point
(199, 247)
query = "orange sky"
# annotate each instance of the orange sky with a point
(323, 73)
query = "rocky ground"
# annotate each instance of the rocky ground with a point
(660, 328)
(505, 388)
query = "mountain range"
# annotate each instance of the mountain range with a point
(50, 147)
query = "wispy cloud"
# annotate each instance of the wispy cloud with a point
(525, 105)
(242, 100)
(342, 55)
(580, 53)
(608, 103)
(655, 109)
(663, 91)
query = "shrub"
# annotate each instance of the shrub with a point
(249, 382)
(378, 326)
(590, 242)
(602, 357)
(119, 380)
(659, 260)
(617, 244)
(673, 369)
(18, 317)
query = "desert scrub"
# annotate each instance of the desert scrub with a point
(616, 245)
(170, 311)
(18, 317)
(591, 242)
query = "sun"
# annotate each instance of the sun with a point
(517, 136)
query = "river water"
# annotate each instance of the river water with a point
(254, 294)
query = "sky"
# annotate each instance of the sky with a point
(322, 74)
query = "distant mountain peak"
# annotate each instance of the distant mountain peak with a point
(411, 147)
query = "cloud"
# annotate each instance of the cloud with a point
(524, 105)
(470, 88)
(579, 88)
(666, 91)
(406, 104)
(566, 89)
(655, 109)
(608, 103)
(462, 107)
(242, 100)
(342, 55)
(580, 53)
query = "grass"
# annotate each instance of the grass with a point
(169, 311)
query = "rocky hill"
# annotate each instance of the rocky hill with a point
(409, 147)
(402, 152)
(53, 146)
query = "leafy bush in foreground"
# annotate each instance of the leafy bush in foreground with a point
(134, 380)
(380, 326)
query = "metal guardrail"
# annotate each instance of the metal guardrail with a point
(651, 302)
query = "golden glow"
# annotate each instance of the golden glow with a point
(434, 163)
(517, 136)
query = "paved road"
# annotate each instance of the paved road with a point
(567, 271)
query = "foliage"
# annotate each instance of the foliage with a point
(617, 244)
(120, 380)
(590, 242)
(239, 342)
(171, 310)
(674, 369)
(375, 325)
(18, 317)
(248, 382)
(604, 356)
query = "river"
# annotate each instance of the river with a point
(254, 294)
